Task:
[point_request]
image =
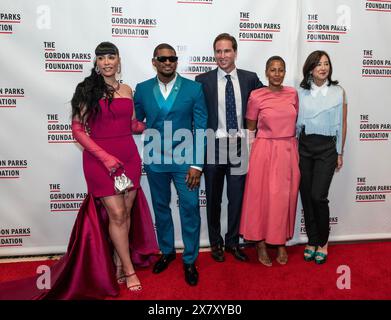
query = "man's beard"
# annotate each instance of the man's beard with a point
(167, 75)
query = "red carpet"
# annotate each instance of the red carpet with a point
(370, 267)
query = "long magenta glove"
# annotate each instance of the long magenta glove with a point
(109, 161)
(137, 126)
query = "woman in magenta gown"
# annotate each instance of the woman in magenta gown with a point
(272, 182)
(108, 224)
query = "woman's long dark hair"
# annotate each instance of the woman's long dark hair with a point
(310, 63)
(85, 100)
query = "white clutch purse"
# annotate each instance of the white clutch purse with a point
(122, 183)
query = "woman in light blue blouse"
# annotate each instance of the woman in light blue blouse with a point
(321, 128)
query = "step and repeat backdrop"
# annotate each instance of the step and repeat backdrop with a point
(46, 48)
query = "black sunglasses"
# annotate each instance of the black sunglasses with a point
(164, 59)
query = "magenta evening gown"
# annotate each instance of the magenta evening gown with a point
(87, 270)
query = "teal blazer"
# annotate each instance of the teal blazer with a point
(167, 148)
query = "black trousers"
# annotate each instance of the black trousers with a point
(215, 174)
(318, 159)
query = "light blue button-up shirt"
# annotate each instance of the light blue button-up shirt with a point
(321, 112)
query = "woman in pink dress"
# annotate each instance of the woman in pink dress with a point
(272, 182)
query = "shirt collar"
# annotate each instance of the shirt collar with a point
(322, 89)
(171, 83)
(221, 74)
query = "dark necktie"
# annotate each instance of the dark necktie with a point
(230, 105)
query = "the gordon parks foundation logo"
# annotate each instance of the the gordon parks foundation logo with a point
(13, 237)
(8, 22)
(194, 64)
(321, 32)
(332, 222)
(12, 168)
(256, 30)
(373, 131)
(373, 67)
(10, 96)
(130, 27)
(64, 201)
(199, 64)
(371, 193)
(56, 61)
(378, 5)
(59, 132)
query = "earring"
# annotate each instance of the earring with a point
(97, 70)
(118, 74)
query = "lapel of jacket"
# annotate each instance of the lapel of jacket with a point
(151, 103)
(165, 105)
(243, 91)
(214, 98)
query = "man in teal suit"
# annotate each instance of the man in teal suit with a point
(174, 109)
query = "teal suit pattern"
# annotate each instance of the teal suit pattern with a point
(184, 108)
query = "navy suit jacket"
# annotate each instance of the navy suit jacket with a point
(187, 112)
(248, 81)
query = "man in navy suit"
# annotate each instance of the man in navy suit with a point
(226, 89)
(174, 109)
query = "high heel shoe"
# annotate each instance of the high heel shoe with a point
(282, 256)
(135, 287)
(119, 274)
(263, 257)
(320, 257)
(309, 254)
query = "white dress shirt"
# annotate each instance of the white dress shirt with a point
(315, 90)
(222, 123)
(165, 88)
